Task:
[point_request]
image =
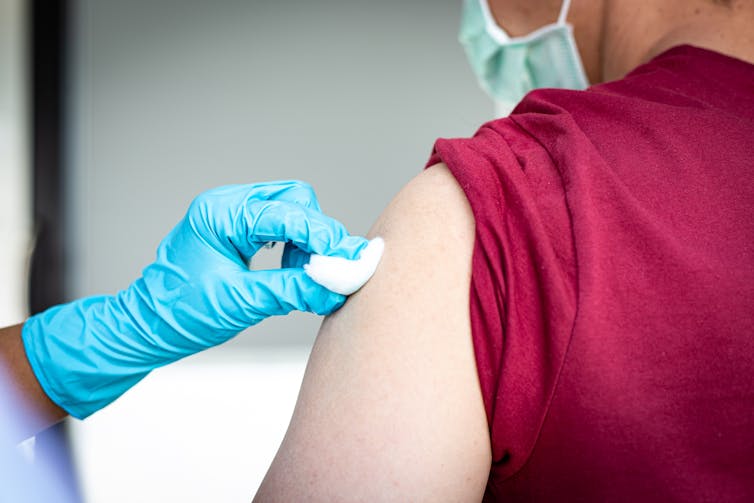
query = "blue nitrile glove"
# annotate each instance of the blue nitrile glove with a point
(197, 294)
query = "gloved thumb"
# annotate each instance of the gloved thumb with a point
(279, 291)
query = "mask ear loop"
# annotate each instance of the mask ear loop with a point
(562, 21)
(563, 16)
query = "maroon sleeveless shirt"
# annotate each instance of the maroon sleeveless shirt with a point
(612, 292)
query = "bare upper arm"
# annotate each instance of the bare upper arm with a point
(390, 408)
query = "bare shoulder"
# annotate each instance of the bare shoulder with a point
(390, 408)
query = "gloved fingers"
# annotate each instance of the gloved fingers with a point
(307, 228)
(237, 220)
(298, 192)
(292, 191)
(294, 257)
(216, 215)
(280, 291)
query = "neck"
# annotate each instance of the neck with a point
(636, 31)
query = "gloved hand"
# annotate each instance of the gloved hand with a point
(197, 294)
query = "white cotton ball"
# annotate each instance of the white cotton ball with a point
(345, 276)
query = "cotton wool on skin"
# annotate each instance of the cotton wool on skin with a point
(345, 276)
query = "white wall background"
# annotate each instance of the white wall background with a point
(15, 209)
(172, 97)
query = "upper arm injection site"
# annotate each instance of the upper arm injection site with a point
(345, 276)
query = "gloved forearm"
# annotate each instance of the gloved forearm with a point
(93, 348)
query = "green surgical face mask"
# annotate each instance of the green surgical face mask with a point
(509, 67)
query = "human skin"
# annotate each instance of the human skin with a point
(390, 407)
(17, 367)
